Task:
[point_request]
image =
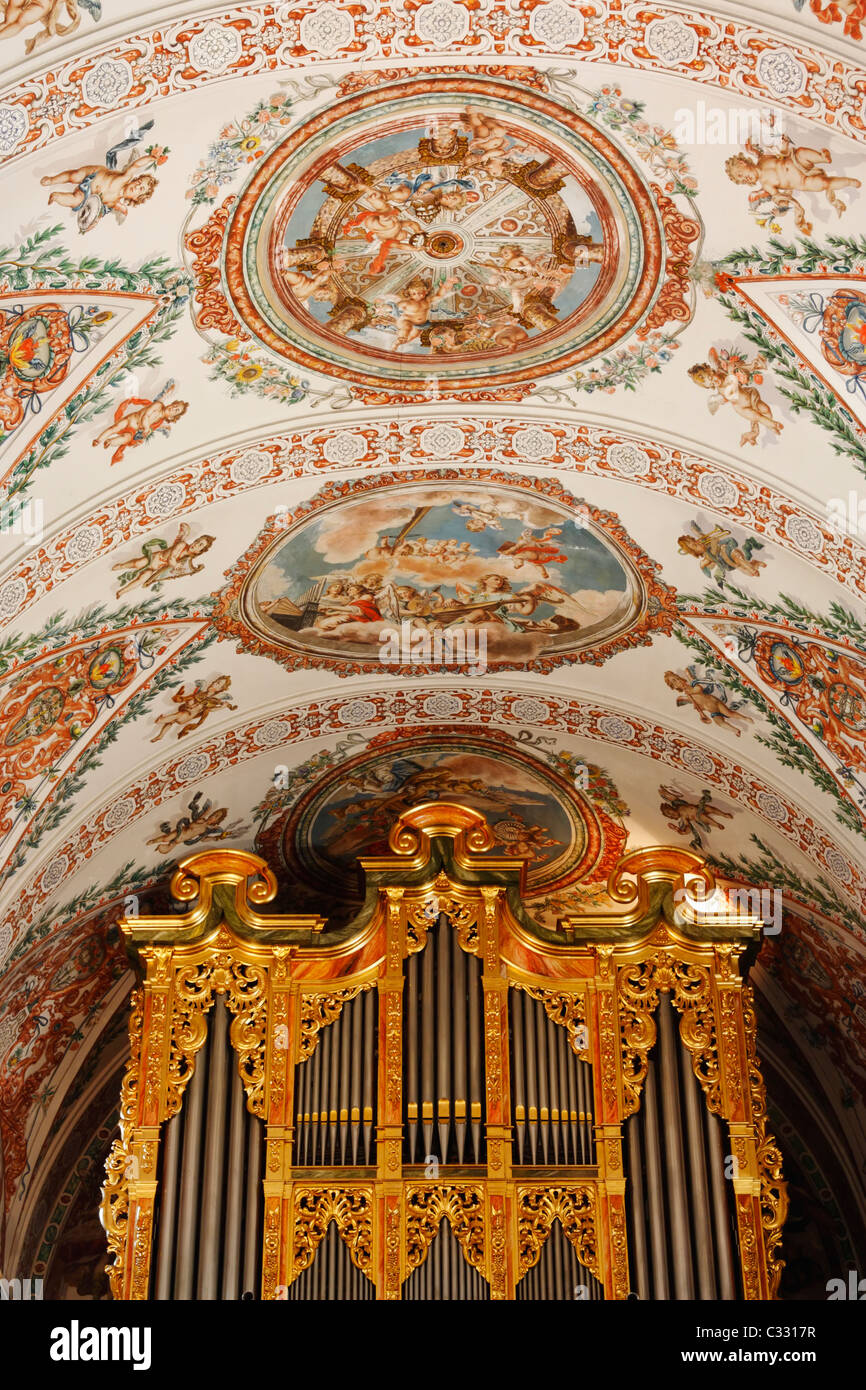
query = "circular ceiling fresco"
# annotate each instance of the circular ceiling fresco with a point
(462, 228)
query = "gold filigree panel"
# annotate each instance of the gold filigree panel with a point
(575, 1209)
(350, 1208)
(463, 1207)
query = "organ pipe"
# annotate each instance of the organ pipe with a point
(678, 1211)
(551, 1087)
(189, 1179)
(214, 1155)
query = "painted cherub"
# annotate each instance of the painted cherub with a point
(776, 174)
(98, 189)
(161, 560)
(720, 553)
(21, 14)
(480, 516)
(379, 219)
(521, 275)
(730, 378)
(699, 694)
(691, 817)
(194, 706)
(138, 419)
(414, 304)
(490, 142)
(204, 822)
(307, 270)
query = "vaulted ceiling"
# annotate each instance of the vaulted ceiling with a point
(539, 327)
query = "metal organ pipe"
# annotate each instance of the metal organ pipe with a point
(355, 1103)
(655, 1188)
(252, 1224)
(214, 1155)
(721, 1221)
(189, 1178)
(410, 1060)
(461, 1099)
(444, 1015)
(168, 1207)
(684, 1224)
(701, 1225)
(370, 998)
(679, 1207)
(235, 1191)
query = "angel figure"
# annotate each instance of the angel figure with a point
(691, 817)
(204, 822)
(194, 706)
(480, 516)
(730, 378)
(699, 693)
(775, 174)
(161, 560)
(97, 189)
(720, 554)
(522, 276)
(414, 304)
(137, 419)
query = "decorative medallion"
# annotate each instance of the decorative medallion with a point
(460, 228)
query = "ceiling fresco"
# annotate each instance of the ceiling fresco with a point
(425, 400)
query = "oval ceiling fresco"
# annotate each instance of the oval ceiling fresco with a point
(454, 226)
(508, 573)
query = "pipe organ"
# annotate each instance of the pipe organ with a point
(441, 1100)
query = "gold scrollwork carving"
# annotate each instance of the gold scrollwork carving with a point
(318, 1010)
(463, 917)
(638, 987)
(351, 1208)
(539, 1207)
(114, 1204)
(464, 1209)
(774, 1189)
(566, 1008)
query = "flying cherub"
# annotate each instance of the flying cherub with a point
(20, 14)
(161, 560)
(414, 304)
(521, 275)
(379, 218)
(137, 419)
(98, 189)
(481, 516)
(490, 142)
(204, 822)
(776, 174)
(720, 553)
(691, 817)
(699, 694)
(730, 378)
(194, 706)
